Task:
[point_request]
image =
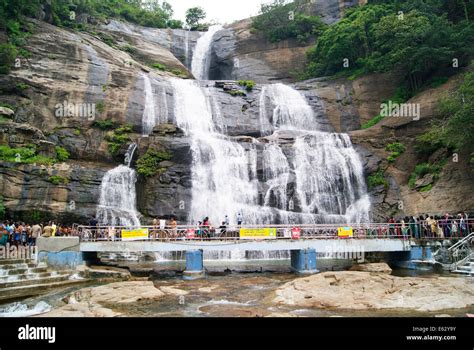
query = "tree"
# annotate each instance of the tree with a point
(167, 9)
(194, 15)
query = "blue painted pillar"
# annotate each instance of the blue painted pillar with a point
(304, 261)
(418, 258)
(64, 260)
(421, 253)
(194, 265)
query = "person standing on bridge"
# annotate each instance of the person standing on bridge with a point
(35, 233)
(154, 230)
(239, 219)
(47, 230)
(173, 226)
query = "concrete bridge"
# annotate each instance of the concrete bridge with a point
(303, 242)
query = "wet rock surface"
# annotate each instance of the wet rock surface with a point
(346, 293)
(356, 290)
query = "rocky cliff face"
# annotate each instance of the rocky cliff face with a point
(240, 53)
(106, 68)
(451, 193)
(69, 69)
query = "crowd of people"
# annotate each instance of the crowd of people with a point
(24, 234)
(425, 226)
(432, 226)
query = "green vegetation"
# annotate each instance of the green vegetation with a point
(178, 73)
(22, 86)
(61, 154)
(235, 92)
(100, 106)
(280, 20)
(64, 13)
(423, 169)
(106, 124)
(377, 179)
(23, 155)
(194, 16)
(2, 208)
(159, 66)
(395, 149)
(455, 128)
(108, 39)
(148, 164)
(426, 188)
(457, 124)
(401, 95)
(118, 138)
(7, 105)
(429, 142)
(413, 39)
(247, 84)
(6, 118)
(372, 122)
(8, 53)
(175, 71)
(58, 180)
(77, 132)
(129, 48)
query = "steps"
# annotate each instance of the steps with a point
(467, 268)
(23, 277)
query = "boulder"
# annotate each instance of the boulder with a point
(7, 111)
(374, 267)
(355, 290)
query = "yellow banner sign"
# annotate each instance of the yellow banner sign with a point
(345, 232)
(258, 233)
(135, 235)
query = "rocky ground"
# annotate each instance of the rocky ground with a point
(369, 292)
(356, 290)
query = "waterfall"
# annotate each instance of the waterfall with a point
(329, 178)
(223, 171)
(117, 202)
(186, 48)
(290, 109)
(149, 118)
(129, 154)
(202, 54)
(276, 175)
(315, 178)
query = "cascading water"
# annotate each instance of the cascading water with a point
(117, 202)
(149, 117)
(223, 182)
(330, 185)
(312, 176)
(202, 54)
(320, 169)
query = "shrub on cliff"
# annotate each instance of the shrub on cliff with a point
(8, 54)
(61, 154)
(148, 164)
(455, 127)
(58, 180)
(23, 155)
(280, 20)
(412, 41)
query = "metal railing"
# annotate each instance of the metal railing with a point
(456, 255)
(232, 232)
